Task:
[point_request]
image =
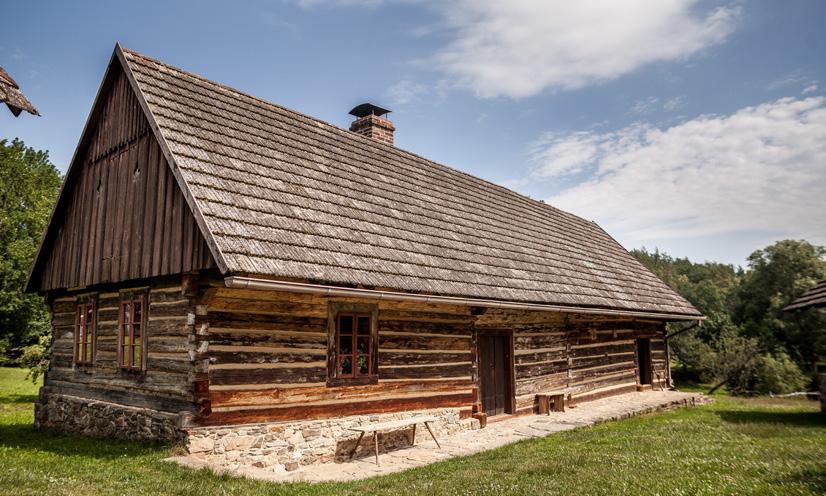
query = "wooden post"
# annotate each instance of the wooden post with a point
(431, 435)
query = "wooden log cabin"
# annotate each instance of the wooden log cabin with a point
(217, 260)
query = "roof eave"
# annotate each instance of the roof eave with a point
(242, 282)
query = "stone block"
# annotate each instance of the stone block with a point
(200, 444)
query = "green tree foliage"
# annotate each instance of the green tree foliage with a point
(29, 184)
(748, 342)
(777, 275)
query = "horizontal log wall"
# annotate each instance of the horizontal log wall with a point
(268, 358)
(586, 356)
(121, 215)
(166, 384)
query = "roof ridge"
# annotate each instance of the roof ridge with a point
(360, 138)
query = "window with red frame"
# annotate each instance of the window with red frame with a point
(85, 333)
(354, 346)
(132, 335)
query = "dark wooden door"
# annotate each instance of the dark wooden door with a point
(494, 373)
(644, 360)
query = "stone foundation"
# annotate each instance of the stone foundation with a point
(95, 418)
(283, 446)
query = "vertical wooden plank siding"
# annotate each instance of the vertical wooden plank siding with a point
(109, 228)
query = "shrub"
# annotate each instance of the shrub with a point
(777, 374)
(35, 357)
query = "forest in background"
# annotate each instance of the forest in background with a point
(748, 343)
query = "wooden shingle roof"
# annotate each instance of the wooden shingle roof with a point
(291, 197)
(11, 95)
(813, 297)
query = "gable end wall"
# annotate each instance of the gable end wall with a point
(121, 215)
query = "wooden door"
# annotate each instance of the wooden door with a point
(495, 374)
(644, 360)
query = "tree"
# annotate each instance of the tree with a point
(29, 184)
(777, 275)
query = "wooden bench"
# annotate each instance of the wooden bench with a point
(392, 425)
(551, 402)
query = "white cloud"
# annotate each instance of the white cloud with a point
(556, 155)
(793, 79)
(653, 104)
(675, 103)
(810, 89)
(761, 169)
(406, 91)
(646, 105)
(520, 48)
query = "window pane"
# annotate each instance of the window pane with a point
(363, 344)
(138, 306)
(138, 356)
(345, 345)
(363, 363)
(88, 353)
(124, 357)
(346, 366)
(345, 324)
(127, 313)
(90, 315)
(364, 325)
(137, 328)
(125, 334)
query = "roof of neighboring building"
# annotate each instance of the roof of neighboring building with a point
(813, 297)
(12, 96)
(282, 195)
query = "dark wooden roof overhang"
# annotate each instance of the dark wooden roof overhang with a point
(813, 297)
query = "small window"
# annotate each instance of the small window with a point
(85, 333)
(354, 346)
(132, 333)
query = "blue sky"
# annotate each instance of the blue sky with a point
(696, 127)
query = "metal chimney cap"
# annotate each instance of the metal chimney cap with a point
(366, 109)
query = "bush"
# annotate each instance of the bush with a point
(35, 357)
(778, 374)
(694, 358)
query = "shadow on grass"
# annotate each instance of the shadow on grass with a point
(797, 419)
(26, 437)
(811, 479)
(18, 398)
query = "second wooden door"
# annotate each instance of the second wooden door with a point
(494, 373)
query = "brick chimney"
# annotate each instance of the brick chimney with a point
(370, 122)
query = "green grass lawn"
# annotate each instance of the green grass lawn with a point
(736, 446)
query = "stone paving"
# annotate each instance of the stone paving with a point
(497, 433)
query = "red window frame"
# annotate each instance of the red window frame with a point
(85, 322)
(351, 345)
(132, 350)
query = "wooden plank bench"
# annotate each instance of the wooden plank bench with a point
(392, 425)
